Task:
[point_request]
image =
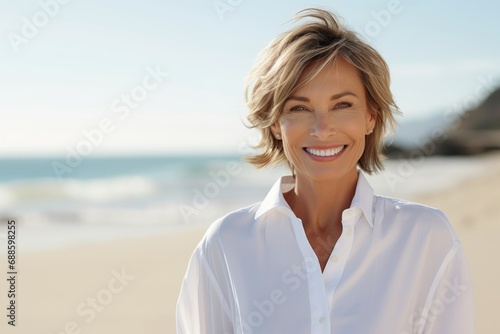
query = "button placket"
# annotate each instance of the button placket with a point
(317, 291)
(338, 259)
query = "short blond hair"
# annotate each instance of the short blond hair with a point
(276, 74)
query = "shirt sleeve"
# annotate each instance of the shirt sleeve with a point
(202, 307)
(449, 307)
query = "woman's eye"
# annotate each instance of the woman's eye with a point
(298, 109)
(342, 105)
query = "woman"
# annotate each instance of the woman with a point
(321, 253)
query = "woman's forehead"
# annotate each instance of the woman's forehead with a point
(335, 74)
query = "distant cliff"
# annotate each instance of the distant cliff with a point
(471, 132)
(486, 116)
(476, 131)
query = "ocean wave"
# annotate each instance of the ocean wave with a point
(90, 191)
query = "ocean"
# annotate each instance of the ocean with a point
(58, 203)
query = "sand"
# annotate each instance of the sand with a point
(131, 286)
(473, 208)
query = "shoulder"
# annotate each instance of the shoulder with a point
(397, 206)
(231, 224)
(417, 219)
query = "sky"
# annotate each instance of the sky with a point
(127, 77)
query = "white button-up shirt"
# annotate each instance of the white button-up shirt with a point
(397, 268)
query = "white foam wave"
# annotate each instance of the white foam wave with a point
(90, 191)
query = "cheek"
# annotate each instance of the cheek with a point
(292, 127)
(292, 131)
(354, 128)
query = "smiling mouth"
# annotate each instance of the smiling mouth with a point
(325, 153)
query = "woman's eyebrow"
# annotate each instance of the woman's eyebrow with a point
(339, 95)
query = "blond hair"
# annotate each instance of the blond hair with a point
(276, 74)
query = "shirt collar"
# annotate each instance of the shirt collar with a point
(363, 197)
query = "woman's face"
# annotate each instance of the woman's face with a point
(324, 123)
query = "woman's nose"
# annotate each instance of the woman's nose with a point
(323, 126)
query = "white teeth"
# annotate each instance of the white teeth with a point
(325, 153)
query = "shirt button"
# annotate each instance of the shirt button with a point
(335, 259)
(348, 231)
(321, 320)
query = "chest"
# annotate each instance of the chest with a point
(323, 243)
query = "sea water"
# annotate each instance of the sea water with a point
(105, 198)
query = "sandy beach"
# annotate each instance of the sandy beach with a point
(131, 285)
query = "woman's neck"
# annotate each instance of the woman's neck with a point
(320, 203)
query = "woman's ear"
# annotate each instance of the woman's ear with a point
(370, 121)
(276, 130)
